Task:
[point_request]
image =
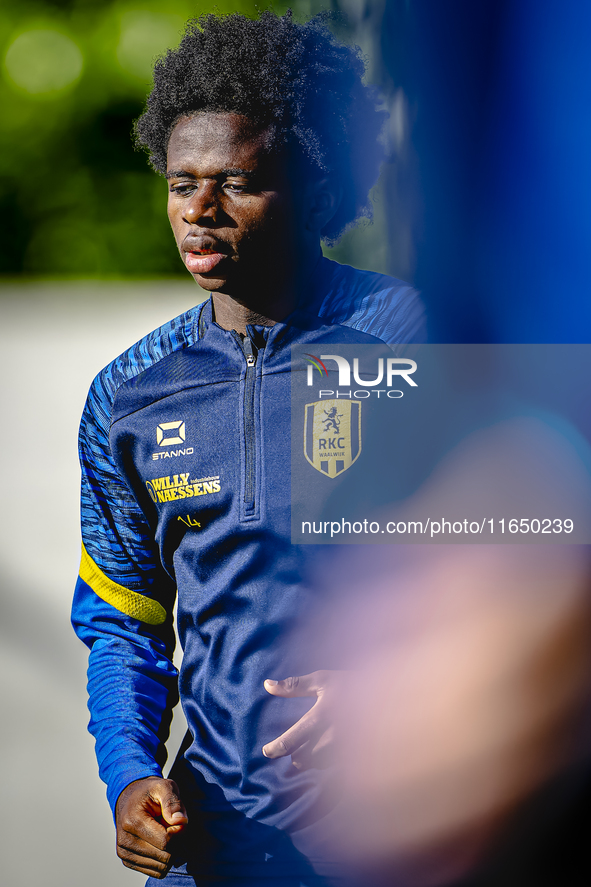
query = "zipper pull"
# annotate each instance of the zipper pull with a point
(249, 352)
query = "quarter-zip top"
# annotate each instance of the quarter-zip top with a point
(185, 450)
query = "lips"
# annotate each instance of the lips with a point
(201, 255)
(201, 263)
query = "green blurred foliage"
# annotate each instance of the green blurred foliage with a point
(76, 199)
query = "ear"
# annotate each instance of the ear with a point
(323, 197)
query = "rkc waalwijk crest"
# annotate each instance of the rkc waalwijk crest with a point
(332, 435)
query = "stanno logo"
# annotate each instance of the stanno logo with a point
(163, 436)
(332, 435)
(395, 366)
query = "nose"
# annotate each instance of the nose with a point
(202, 207)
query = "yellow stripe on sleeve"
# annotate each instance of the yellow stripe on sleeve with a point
(123, 599)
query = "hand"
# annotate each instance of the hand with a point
(149, 812)
(310, 741)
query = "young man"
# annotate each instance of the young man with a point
(268, 140)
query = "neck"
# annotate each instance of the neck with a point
(267, 307)
(231, 314)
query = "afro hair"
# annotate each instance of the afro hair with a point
(297, 79)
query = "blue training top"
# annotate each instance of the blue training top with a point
(185, 454)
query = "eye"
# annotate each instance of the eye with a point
(235, 187)
(183, 188)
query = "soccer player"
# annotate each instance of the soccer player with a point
(267, 138)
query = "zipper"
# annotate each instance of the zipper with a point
(250, 354)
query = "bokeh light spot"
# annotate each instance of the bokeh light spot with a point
(144, 36)
(43, 62)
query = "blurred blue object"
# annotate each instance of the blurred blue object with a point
(500, 95)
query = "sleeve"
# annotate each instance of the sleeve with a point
(123, 611)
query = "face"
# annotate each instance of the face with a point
(232, 205)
